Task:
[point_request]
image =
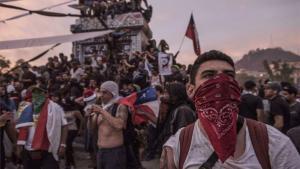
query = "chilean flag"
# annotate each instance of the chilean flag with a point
(25, 114)
(145, 101)
(40, 139)
(192, 33)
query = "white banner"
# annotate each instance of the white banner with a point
(165, 62)
(25, 43)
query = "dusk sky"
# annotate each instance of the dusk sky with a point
(232, 26)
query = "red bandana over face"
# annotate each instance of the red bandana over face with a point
(216, 102)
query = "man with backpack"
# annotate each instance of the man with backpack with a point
(220, 138)
(111, 121)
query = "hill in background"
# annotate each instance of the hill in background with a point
(254, 59)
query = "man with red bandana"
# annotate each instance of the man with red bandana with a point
(220, 138)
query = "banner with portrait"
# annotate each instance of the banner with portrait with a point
(165, 62)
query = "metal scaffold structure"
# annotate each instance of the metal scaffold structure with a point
(129, 20)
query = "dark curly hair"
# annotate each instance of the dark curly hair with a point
(207, 56)
(177, 93)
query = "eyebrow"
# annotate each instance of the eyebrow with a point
(215, 71)
(208, 71)
(229, 71)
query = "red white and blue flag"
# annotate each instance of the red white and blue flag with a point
(144, 101)
(40, 139)
(192, 33)
(26, 115)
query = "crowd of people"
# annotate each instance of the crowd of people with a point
(205, 118)
(75, 87)
(105, 8)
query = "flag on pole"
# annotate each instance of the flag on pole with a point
(144, 101)
(192, 33)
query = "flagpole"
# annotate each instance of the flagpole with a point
(181, 44)
(183, 38)
(182, 41)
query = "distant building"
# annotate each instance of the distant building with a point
(134, 35)
(256, 74)
(295, 75)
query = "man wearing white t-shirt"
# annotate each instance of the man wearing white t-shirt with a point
(219, 138)
(76, 71)
(42, 132)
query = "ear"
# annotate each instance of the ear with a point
(190, 90)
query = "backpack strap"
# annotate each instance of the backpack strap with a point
(114, 109)
(185, 140)
(259, 137)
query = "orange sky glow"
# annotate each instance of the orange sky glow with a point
(232, 26)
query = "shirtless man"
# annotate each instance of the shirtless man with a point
(111, 122)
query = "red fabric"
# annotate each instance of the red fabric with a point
(192, 33)
(88, 93)
(260, 141)
(185, 139)
(23, 134)
(216, 102)
(40, 139)
(129, 101)
(28, 96)
(138, 118)
(91, 88)
(45, 143)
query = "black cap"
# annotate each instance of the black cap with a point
(290, 89)
(274, 86)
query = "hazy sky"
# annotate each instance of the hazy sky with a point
(233, 26)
